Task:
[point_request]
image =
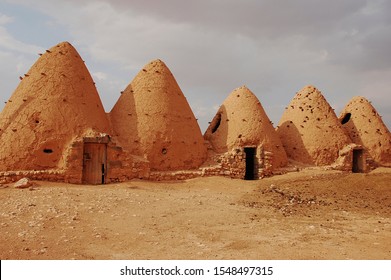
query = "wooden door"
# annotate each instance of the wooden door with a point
(94, 163)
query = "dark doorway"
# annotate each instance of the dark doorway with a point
(358, 161)
(250, 164)
(94, 163)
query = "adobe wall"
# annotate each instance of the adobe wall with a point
(39, 175)
(241, 121)
(309, 129)
(345, 159)
(121, 166)
(230, 164)
(364, 126)
(55, 101)
(153, 119)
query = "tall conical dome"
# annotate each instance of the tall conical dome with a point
(310, 130)
(56, 101)
(365, 127)
(153, 119)
(241, 121)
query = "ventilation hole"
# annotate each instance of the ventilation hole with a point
(216, 123)
(346, 118)
(47, 151)
(164, 151)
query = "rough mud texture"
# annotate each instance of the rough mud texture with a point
(310, 214)
(152, 118)
(310, 130)
(55, 102)
(365, 127)
(151, 133)
(241, 121)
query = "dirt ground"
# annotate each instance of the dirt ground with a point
(310, 214)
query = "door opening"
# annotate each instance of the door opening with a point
(358, 161)
(250, 164)
(94, 163)
(103, 173)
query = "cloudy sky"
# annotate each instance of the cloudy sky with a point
(212, 47)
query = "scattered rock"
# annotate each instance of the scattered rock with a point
(23, 183)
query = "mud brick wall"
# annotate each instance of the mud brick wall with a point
(233, 164)
(40, 175)
(123, 166)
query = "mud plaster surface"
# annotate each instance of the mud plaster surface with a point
(55, 101)
(242, 121)
(309, 129)
(365, 127)
(153, 119)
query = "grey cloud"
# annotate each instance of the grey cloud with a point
(275, 47)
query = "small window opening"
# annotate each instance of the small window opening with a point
(346, 118)
(164, 151)
(47, 151)
(216, 123)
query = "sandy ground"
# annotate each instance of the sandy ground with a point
(310, 214)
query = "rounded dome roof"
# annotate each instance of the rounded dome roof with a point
(55, 101)
(310, 130)
(241, 121)
(152, 118)
(365, 127)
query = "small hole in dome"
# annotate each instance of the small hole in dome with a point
(47, 151)
(346, 118)
(216, 123)
(36, 121)
(164, 151)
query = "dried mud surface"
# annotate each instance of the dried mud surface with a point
(304, 215)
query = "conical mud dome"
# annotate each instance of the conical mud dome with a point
(365, 127)
(153, 119)
(310, 130)
(241, 121)
(56, 101)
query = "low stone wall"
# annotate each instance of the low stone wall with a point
(233, 164)
(39, 175)
(345, 159)
(123, 167)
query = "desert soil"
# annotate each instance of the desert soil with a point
(310, 214)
